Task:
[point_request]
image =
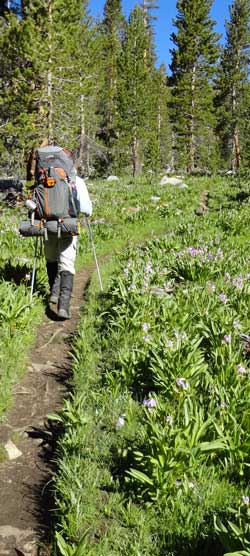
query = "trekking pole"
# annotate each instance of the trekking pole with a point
(33, 272)
(94, 252)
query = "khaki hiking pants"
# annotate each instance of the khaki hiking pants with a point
(61, 250)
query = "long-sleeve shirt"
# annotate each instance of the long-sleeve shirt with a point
(81, 196)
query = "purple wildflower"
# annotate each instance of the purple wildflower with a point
(246, 500)
(146, 326)
(150, 403)
(241, 370)
(238, 282)
(223, 297)
(169, 420)
(148, 268)
(146, 338)
(227, 339)
(182, 383)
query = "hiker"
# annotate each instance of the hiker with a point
(60, 254)
(54, 165)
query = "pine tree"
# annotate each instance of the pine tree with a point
(232, 99)
(16, 94)
(113, 28)
(193, 67)
(135, 100)
(163, 120)
(55, 86)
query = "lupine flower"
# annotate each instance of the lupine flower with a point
(246, 500)
(148, 268)
(227, 339)
(169, 420)
(223, 297)
(150, 403)
(182, 383)
(241, 370)
(238, 282)
(146, 326)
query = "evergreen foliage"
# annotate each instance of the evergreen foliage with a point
(112, 32)
(193, 67)
(136, 99)
(233, 100)
(95, 87)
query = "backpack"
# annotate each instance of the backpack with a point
(52, 193)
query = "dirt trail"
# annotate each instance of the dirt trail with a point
(25, 499)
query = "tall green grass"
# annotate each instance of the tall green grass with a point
(156, 434)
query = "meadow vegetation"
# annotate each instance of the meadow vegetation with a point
(18, 319)
(154, 454)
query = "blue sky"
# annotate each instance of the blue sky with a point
(164, 26)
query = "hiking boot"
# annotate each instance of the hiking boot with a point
(55, 290)
(66, 286)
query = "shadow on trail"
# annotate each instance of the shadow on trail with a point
(41, 495)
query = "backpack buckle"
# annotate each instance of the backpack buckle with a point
(50, 182)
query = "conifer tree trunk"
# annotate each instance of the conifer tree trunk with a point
(236, 137)
(193, 68)
(136, 161)
(191, 164)
(236, 134)
(232, 85)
